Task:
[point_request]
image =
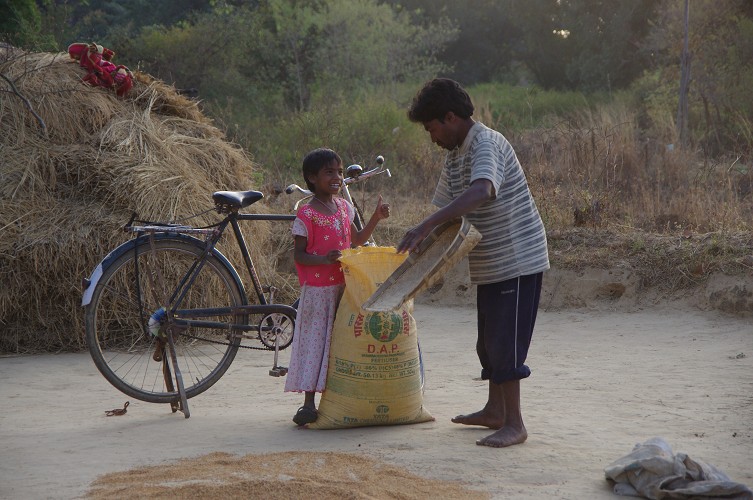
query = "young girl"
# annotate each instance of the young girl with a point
(322, 229)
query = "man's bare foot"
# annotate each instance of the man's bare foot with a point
(506, 436)
(481, 418)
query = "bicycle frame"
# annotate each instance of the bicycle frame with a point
(215, 234)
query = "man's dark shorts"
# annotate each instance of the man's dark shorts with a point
(506, 316)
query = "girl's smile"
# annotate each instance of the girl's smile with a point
(328, 180)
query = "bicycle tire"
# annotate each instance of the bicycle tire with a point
(117, 319)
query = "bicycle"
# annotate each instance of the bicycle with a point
(168, 302)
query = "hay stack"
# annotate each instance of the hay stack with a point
(66, 192)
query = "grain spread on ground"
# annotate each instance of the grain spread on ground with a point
(293, 474)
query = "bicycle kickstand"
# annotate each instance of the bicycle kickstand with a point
(178, 375)
(277, 371)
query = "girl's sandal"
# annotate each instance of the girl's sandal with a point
(305, 415)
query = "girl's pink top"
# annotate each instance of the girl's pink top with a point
(323, 233)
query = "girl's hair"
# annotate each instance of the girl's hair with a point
(316, 160)
(437, 98)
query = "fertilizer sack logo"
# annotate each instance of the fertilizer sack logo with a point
(382, 326)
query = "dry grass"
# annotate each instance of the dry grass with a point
(597, 170)
(670, 262)
(66, 188)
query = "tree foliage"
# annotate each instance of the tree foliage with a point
(607, 38)
(21, 24)
(201, 52)
(284, 51)
(366, 44)
(270, 57)
(489, 35)
(566, 44)
(87, 20)
(721, 48)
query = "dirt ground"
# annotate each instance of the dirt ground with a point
(604, 378)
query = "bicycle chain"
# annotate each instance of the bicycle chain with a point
(227, 343)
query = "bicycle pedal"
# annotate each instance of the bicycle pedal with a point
(278, 371)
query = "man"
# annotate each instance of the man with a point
(483, 181)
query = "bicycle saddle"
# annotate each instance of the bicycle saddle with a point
(236, 199)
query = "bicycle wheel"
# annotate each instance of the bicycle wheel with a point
(130, 293)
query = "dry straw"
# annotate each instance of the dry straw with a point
(71, 178)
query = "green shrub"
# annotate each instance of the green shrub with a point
(375, 125)
(511, 108)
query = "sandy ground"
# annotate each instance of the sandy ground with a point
(602, 382)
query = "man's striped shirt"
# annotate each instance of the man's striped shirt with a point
(513, 239)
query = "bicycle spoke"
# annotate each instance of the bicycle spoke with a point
(124, 348)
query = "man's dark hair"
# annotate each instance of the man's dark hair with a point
(437, 98)
(316, 160)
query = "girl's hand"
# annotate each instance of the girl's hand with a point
(333, 255)
(382, 210)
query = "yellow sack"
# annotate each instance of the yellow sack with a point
(374, 375)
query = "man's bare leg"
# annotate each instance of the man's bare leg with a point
(512, 431)
(492, 415)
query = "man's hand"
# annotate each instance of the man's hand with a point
(414, 237)
(479, 192)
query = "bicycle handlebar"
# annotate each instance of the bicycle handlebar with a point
(355, 175)
(295, 187)
(370, 173)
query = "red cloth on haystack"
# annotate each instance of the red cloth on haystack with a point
(95, 59)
